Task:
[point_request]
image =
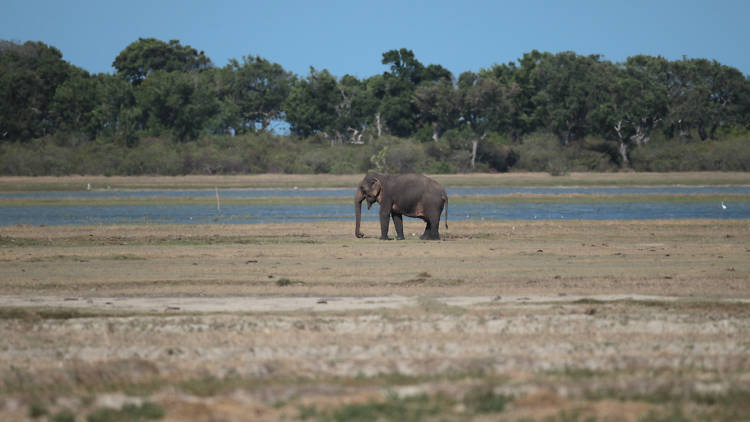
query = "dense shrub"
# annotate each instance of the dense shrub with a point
(265, 153)
(399, 156)
(544, 152)
(683, 155)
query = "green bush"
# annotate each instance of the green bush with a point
(680, 155)
(540, 153)
(544, 152)
(394, 155)
(268, 153)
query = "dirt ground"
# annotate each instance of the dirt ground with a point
(503, 320)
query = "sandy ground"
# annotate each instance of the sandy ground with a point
(636, 320)
(249, 304)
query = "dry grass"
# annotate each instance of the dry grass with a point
(11, 184)
(672, 257)
(529, 349)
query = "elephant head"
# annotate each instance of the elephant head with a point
(370, 188)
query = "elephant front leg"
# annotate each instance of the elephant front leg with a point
(398, 222)
(385, 217)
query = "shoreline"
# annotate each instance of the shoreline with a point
(323, 181)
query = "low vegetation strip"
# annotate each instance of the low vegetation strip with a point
(308, 181)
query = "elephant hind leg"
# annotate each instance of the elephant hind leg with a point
(434, 233)
(427, 231)
(431, 230)
(434, 226)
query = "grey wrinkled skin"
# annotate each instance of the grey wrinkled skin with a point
(411, 195)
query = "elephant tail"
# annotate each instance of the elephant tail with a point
(445, 198)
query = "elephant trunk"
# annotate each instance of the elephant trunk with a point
(358, 198)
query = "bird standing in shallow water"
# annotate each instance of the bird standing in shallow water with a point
(723, 206)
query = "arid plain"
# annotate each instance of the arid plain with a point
(502, 320)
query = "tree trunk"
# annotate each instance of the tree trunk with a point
(624, 162)
(378, 124)
(640, 137)
(623, 148)
(474, 144)
(355, 136)
(570, 126)
(702, 130)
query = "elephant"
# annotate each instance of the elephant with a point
(413, 195)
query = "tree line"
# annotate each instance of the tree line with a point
(582, 107)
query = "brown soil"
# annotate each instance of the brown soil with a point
(611, 320)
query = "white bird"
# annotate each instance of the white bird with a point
(723, 206)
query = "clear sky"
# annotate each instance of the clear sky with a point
(349, 37)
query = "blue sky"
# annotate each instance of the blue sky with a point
(349, 37)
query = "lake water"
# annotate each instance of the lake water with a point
(342, 193)
(249, 214)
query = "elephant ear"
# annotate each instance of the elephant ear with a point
(374, 187)
(380, 193)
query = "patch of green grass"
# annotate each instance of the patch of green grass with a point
(676, 415)
(63, 416)
(417, 408)
(670, 398)
(6, 241)
(722, 306)
(210, 386)
(171, 201)
(307, 412)
(37, 409)
(128, 413)
(122, 257)
(588, 301)
(483, 399)
(287, 181)
(283, 282)
(37, 314)
(708, 305)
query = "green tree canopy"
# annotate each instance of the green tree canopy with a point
(176, 103)
(147, 55)
(396, 88)
(256, 88)
(311, 105)
(704, 95)
(29, 76)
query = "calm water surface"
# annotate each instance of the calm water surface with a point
(341, 193)
(248, 214)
